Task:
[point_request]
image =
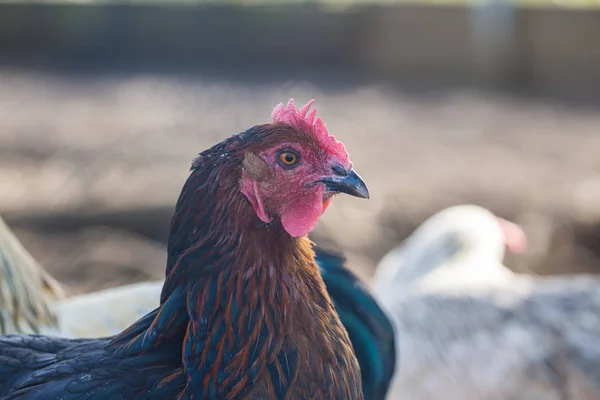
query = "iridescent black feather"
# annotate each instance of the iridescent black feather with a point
(369, 328)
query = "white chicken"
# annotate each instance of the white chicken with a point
(468, 328)
(31, 301)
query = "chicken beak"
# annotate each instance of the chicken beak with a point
(350, 183)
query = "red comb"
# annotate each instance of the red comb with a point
(514, 236)
(303, 120)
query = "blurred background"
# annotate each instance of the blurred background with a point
(103, 105)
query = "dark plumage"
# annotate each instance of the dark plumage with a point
(371, 331)
(244, 312)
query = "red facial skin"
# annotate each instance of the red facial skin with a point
(292, 194)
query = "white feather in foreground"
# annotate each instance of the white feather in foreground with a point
(470, 329)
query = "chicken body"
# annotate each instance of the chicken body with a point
(469, 329)
(110, 311)
(244, 313)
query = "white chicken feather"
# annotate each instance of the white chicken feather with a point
(105, 312)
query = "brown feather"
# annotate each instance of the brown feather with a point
(255, 167)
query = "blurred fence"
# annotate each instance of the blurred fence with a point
(548, 49)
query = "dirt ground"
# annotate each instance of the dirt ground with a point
(124, 142)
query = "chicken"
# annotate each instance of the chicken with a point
(469, 329)
(244, 313)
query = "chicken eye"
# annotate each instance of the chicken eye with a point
(288, 159)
